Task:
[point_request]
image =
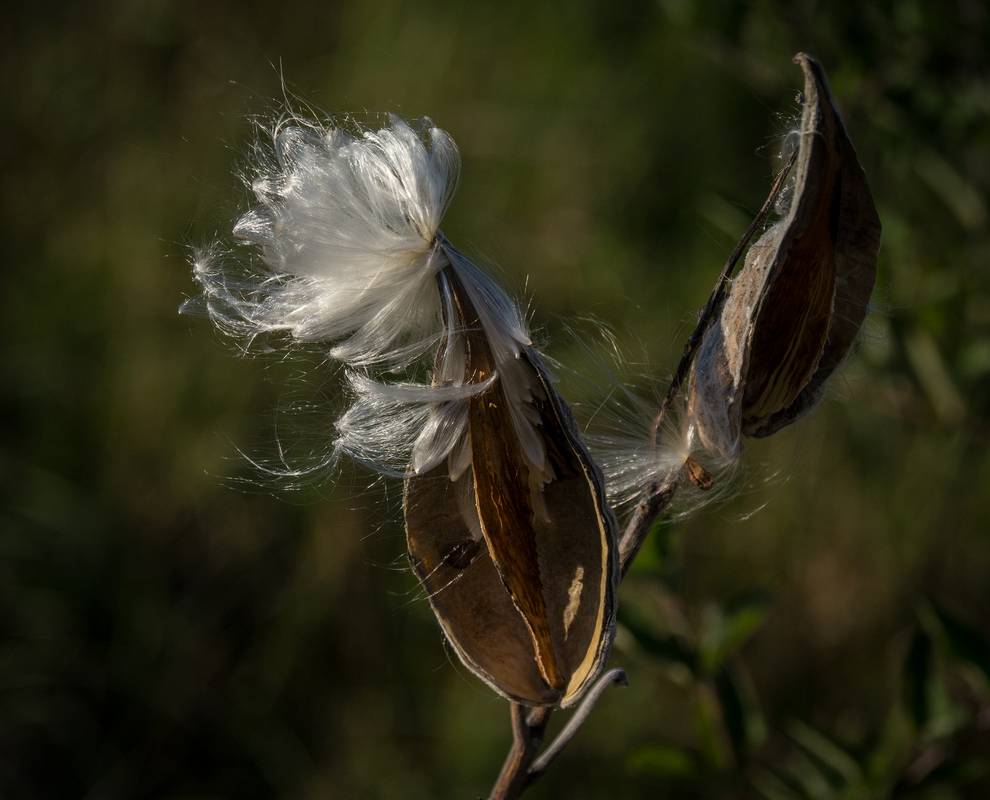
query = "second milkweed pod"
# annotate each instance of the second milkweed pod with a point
(516, 553)
(798, 303)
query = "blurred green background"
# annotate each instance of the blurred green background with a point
(169, 633)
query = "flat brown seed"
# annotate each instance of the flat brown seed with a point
(698, 475)
(534, 613)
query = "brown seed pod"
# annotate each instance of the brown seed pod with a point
(520, 567)
(798, 302)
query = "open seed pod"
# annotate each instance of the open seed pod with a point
(798, 303)
(516, 553)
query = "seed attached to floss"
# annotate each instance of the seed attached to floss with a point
(800, 299)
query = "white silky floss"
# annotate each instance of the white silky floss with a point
(347, 230)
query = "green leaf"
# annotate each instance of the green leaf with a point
(741, 713)
(664, 646)
(966, 642)
(709, 724)
(918, 675)
(774, 787)
(663, 761)
(658, 558)
(809, 775)
(827, 753)
(725, 631)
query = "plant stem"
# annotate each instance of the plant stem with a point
(527, 734)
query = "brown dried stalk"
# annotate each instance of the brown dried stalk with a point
(524, 764)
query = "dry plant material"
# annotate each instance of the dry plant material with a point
(507, 523)
(797, 304)
(519, 561)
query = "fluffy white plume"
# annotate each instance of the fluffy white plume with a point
(506, 332)
(633, 457)
(618, 417)
(398, 427)
(345, 226)
(347, 250)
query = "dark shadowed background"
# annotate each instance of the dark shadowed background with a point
(169, 633)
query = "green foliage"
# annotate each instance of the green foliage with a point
(168, 634)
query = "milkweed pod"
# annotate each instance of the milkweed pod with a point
(799, 301)
(518, 558)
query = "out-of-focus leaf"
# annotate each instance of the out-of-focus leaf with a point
(946, 715)
(772, 787)
(665, 538)
(710, 724)
(918, 676)
(733, 713)
(817, 768)
(934, 376)
(724, 631)
(958, 194)
(830, 755)
(965, 642)
(809, 775)
(974, 361)
(956, 777)
(655, 560)
(741, 713)
(664, 646)
(884, 762)
(664, 761)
